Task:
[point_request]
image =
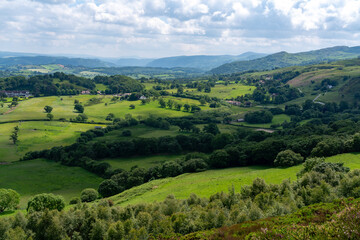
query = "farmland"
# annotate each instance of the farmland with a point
(33, 109)
(226, 92)
(142, 161)
(37, 136)
(39, 176)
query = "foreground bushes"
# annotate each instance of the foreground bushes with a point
(319, 182)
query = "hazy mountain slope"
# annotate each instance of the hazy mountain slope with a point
(284, 59)
(41, 60)
(203, 62)
(15, 54)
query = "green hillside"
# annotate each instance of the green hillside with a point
(42, 176)
(203, 62)
(207, 183)
(284, 59)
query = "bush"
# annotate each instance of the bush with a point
(79, 108)
(288, 158)
(126, 133)
(44, 201)
(89, 195)
(74, 200)
(108, 188)
(9, 199)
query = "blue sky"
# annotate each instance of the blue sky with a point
(159, 28)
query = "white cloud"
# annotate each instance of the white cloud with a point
(170, 27)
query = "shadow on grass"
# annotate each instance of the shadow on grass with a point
(6, 213)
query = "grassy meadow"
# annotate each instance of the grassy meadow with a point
(141, 161)
(63, 107)
(226, 92)
(41, 176)
(37, 136)
(140, 131)
(204, 184)
(278, 119)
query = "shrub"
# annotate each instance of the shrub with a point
(44, 201)
(74, 200)
(9, 199)
(288, 158)
(89, 195)
(126, 133)
(108, 188)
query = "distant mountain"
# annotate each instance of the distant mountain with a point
(132, 62)
(284, 59)
(16, 54)
(203, 62)
(42, 60)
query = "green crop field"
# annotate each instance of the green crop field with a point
(226, 92)
(204, 184)
(141, 161)
(37, 136)
(34, 108)
(40, 176)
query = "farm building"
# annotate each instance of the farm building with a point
(235, 103)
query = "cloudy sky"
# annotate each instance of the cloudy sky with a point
(159, 28)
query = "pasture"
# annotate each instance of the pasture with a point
(204, 184)
(41, 176)
(141, 131)
(63, 107)
(278, 119)
(140, 161)
(226, 92)
(37, 136)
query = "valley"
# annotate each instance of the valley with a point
(242, 146)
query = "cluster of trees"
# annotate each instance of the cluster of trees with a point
(259, 117)
(45, 84)
(123, 179)
(317, 182)
(48, 109)
(201, 86)
(14, 138)
(119, 84)
(275, 94)
(171, 104)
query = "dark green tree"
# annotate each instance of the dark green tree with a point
(78, 107)
(48, 109)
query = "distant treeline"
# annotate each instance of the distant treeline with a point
(67, 84)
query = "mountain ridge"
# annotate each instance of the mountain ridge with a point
(285, 59)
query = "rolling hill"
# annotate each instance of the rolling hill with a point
(203, 62)
(43, 60)
(284, 59)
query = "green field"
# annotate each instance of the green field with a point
(226, 92)
(40, 176)
(63, 107)
(206, 183)
(37, 136)
(278, 119)
(140, 131)
(141, 161)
